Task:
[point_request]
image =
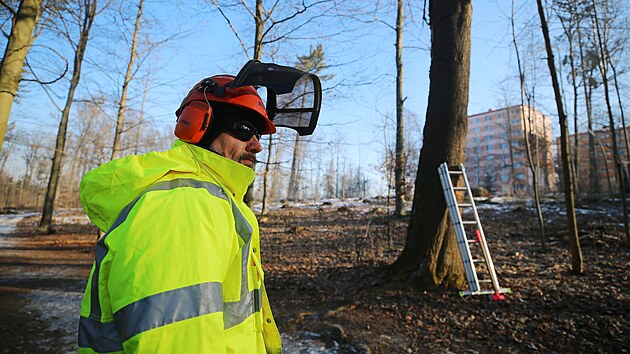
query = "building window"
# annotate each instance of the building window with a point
(520, 176)
(504, 145)
(488, 128)
(488, 118)
(489, 147)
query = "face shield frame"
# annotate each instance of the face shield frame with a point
(298, 93)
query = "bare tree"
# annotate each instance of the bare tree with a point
(314, 62)
(528, 126)
(399, 170)
(574, 241)
(129, 74)
(87, 12)
(569, 24)
(430, 256)
(18, 45)
(603, 50)
(272, 26)
(588, 62)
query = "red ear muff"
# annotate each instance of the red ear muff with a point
(193, 121)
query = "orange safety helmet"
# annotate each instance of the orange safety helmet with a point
(194, 115)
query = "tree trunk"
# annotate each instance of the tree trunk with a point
(399, 169)
(15, 52)
(294, 177)
(510, 143)
(593, 177)
(567, 171)
(576, 142)
(431, 256)
(258, 37)
(265, 198)
(528, 126)
(623, 118)
(45, 224)
(136, 148)
(603, 67)
(122, 104)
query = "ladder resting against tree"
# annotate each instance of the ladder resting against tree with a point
(474, 250)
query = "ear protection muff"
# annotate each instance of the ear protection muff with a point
(193, 121)
(194, 117)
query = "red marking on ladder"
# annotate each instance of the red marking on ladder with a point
(478, 234)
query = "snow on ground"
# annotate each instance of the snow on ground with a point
(307, 343)
(8, 222)
(71, 216)
(352, 203)
(59, 310)
(501, 204)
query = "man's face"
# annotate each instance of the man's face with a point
(235, 149)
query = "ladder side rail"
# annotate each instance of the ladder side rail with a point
(451, 203)
(484, 243)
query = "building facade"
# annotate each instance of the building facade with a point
(496, 154)
(597, 174)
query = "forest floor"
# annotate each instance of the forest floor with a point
(331, 291)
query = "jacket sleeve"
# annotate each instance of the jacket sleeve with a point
(169, 260)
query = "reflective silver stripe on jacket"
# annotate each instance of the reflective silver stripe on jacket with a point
(173, 305)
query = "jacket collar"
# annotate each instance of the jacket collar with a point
(230, 175)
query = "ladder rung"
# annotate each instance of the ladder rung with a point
(469, 222)
(455, 172)
(465, 205)
(460, 188)
(478, 260)
(474, 240)
(485, 281)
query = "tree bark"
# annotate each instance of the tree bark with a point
(431, 256)
(45, 224)
(399, 168)
(122, 104)
(15, 52)
(567, 171)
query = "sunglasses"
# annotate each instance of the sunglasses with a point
(244, 131)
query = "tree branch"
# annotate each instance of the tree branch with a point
(231, 26)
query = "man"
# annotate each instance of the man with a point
(178, 269)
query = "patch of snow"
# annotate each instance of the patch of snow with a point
(308, 345)
(60, 311)
(8, 222)
(353, 203)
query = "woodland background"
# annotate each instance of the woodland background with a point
(95, 80)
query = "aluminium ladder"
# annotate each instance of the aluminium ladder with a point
(468, 245)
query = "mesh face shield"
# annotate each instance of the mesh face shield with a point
(294, 97)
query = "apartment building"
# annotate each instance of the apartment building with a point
(602, 170)
(496, 154)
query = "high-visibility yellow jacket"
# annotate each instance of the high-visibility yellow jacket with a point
(178, 269)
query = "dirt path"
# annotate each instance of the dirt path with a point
(41, 284)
